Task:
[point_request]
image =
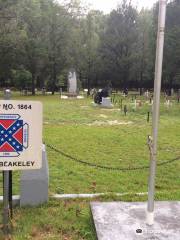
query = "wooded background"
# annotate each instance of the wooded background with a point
(40, 40)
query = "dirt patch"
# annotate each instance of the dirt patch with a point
(47, 232)
(111, 109)
(110, 123)
(103, 116)
(84, 107)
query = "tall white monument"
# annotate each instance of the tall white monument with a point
(72, 82)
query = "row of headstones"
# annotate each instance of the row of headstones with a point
(116, 100)
(138, 103)
(26, 92)
(108, 102)
(72, 88)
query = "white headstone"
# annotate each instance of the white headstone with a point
(167, 103)
(135, 104)
(64, 97)
(106, 102)
(172, 91)
(147, 94)
(72, 82)
(80, 97)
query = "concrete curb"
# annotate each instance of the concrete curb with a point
(16, 198)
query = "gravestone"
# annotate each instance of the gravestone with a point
(7, 94)
(135, 104)
(60, 92)
(102, 93)
(140, 103)
(64, 97)
(72, 83)
(93, 92)
(167, 103)
(43, 91)
(25, 92)
(172, 91)
(80, 97)
(34, 184)
(146, 94)
(106, 102)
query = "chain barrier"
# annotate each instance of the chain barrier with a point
(106, 167)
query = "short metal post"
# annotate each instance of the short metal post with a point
(121, 104)
(148, 116)
(125, 110)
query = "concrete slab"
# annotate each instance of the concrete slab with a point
(126, 221)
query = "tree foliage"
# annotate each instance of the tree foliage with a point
(40, 40)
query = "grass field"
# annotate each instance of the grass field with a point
(104, 137)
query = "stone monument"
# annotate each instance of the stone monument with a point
(34, 184)
(72, 83)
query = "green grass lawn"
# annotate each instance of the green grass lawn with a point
(98, 136)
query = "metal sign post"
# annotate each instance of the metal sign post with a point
(5, 202)
(7, 186)
(156, 105)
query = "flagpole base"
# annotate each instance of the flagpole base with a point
(149, 218)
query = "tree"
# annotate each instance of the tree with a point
(144, 61)
(34, 47)
(171, 74)
(118, 42)
(9, 39)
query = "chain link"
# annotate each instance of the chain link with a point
(106, 167)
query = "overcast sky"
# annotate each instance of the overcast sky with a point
(107, 5)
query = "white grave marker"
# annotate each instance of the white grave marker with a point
(72, 82)
(135, 104)
(20, 135)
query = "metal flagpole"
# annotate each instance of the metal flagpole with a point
(156, 105)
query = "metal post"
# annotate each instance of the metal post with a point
(121, 104)
(148, 116)
(10, 195)
(156, 104)
(5, 201)
(6, 185)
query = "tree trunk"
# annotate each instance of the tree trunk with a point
(140, 84)
(88, 83)
(89, 77)
(54, 78)
(33, 85)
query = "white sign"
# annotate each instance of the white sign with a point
(20, 135)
